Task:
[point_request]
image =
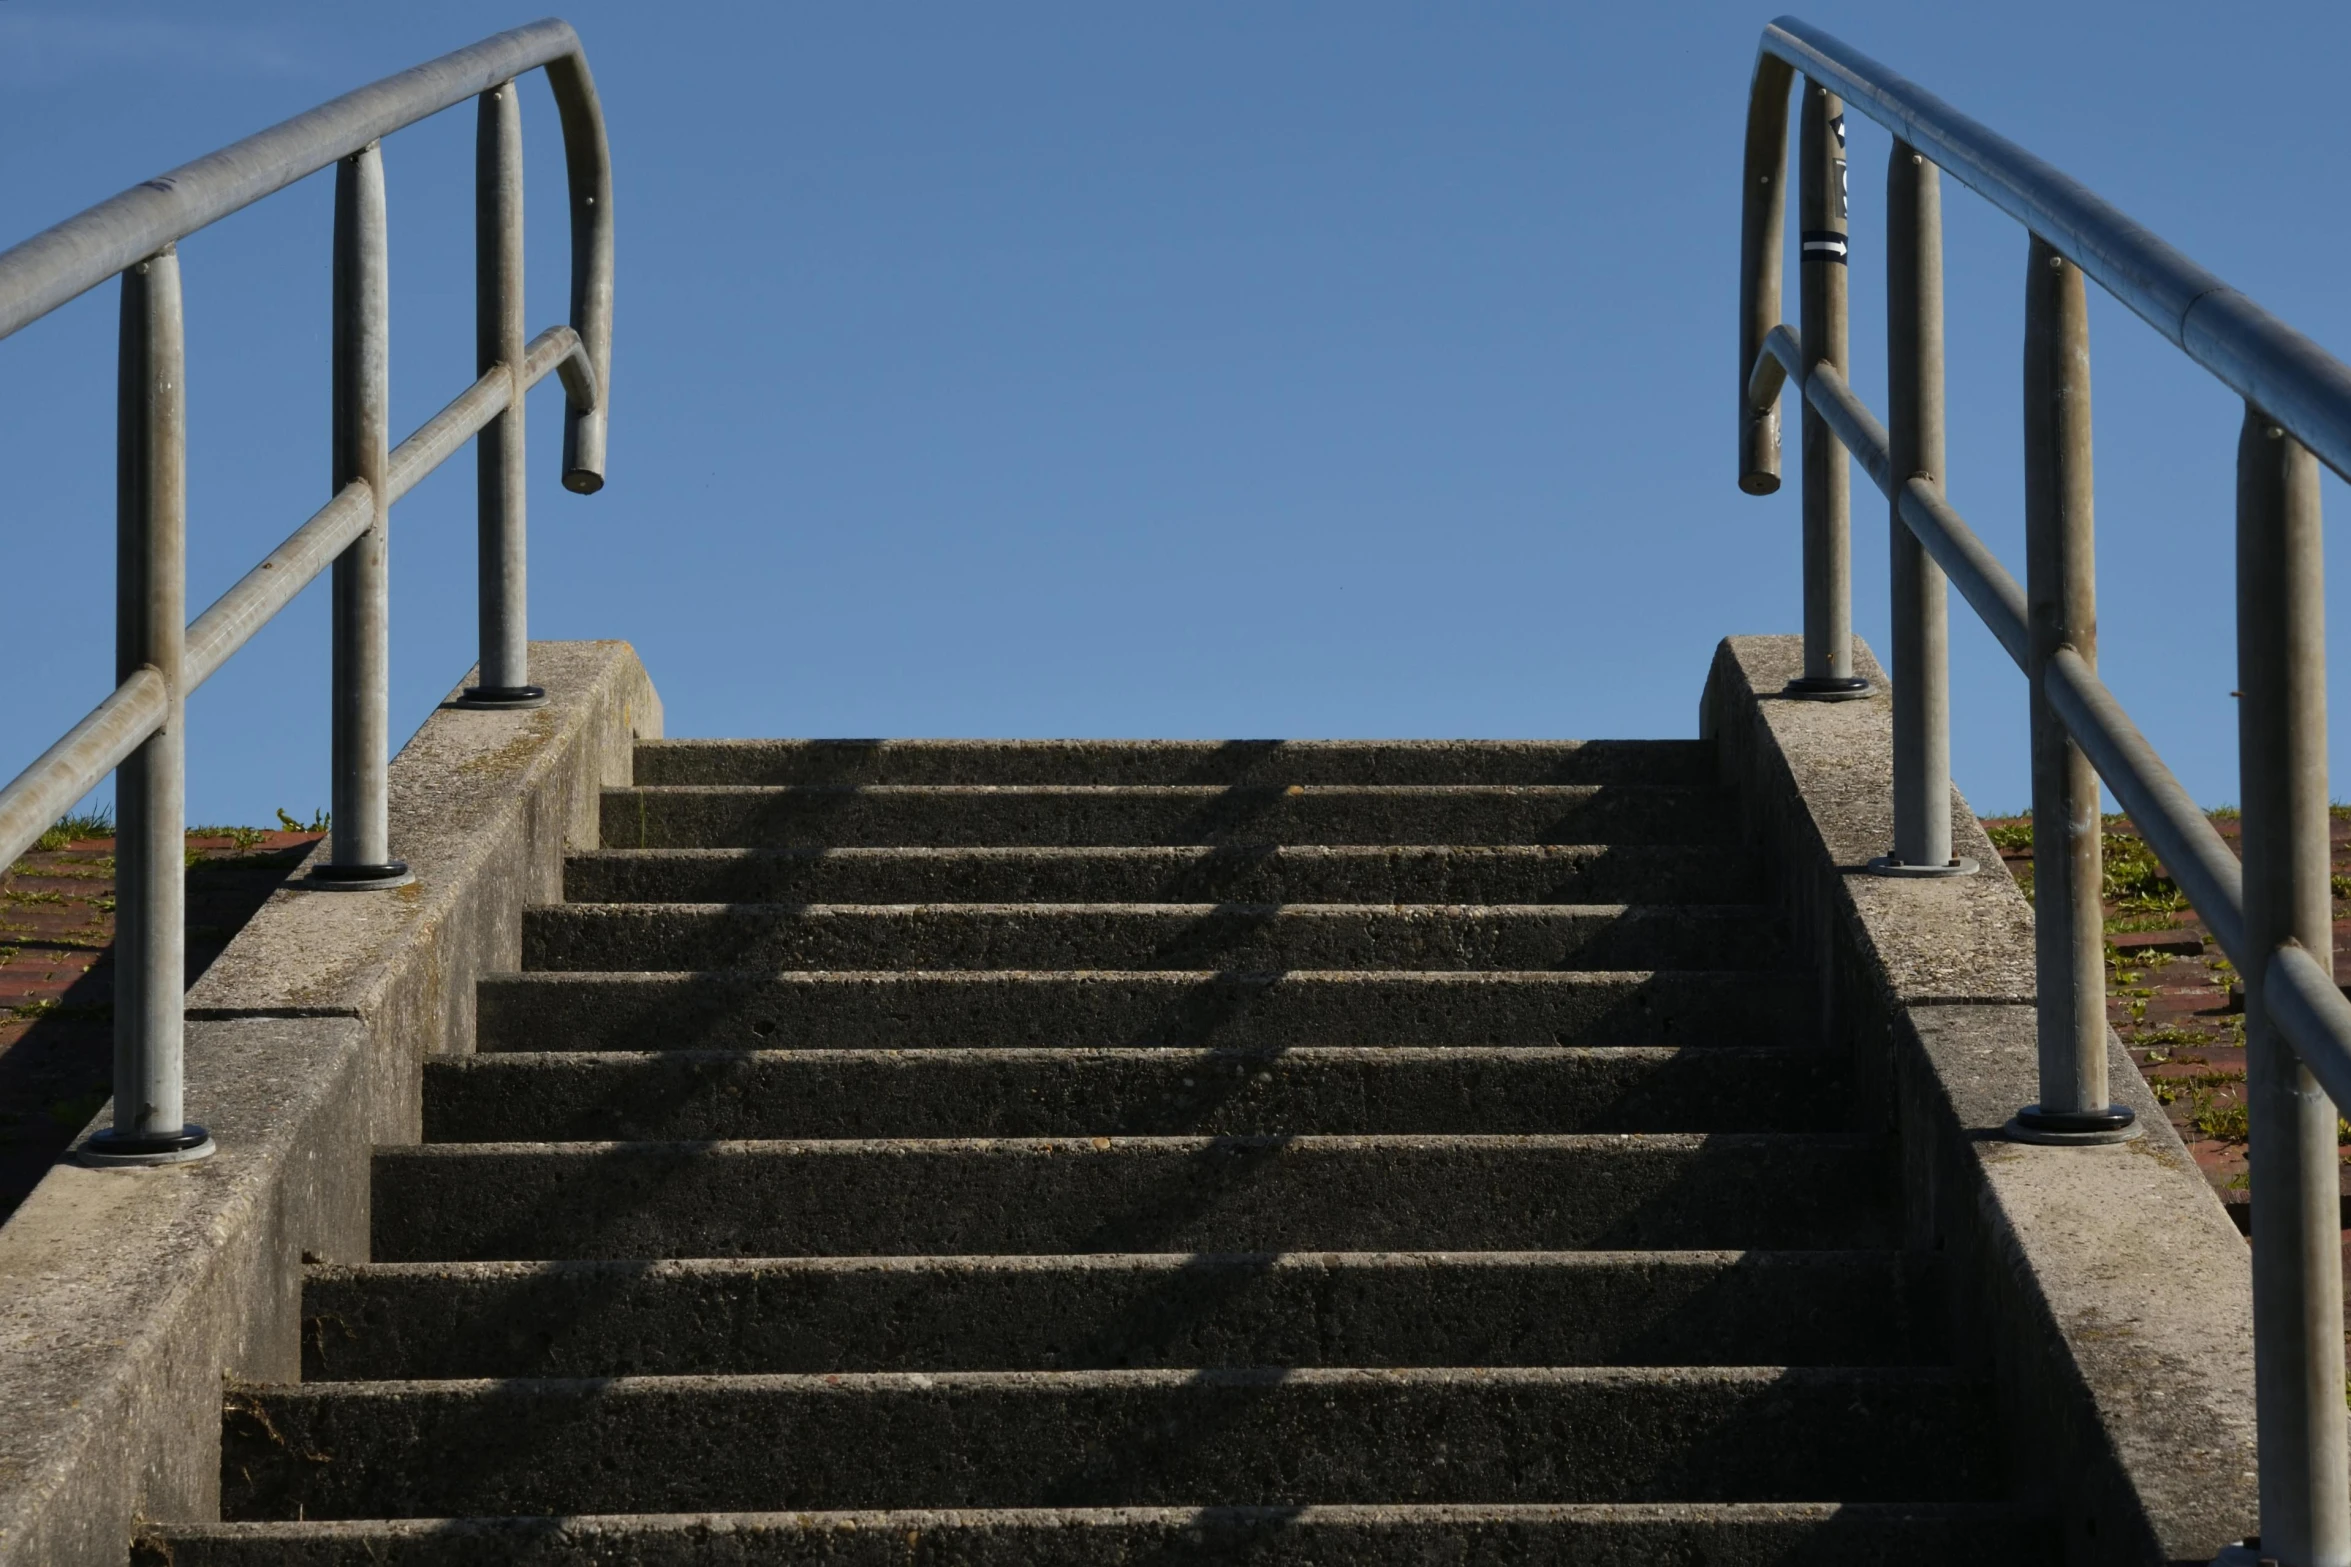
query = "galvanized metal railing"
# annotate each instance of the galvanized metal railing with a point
(2272, 914)
(139, 730)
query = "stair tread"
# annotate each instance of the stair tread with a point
(931, 1313)
(1104, 1193)
(1107, 1437)
(1175, 761)
(1007, 815)
(1539, 1534)
(1114, 1006)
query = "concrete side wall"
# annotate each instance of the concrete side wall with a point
(126, 1297)
(2104, 1289)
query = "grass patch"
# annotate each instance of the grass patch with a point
(2218, 1122)
(242, 837)
(2012, 835)
(93, 824)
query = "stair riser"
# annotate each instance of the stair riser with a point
(998, 1314)
(1097, 1439)
(912, 1012)
(690, 936)
(545, 1201)
(1658, 1536)
(1131, 762)
(562, 1097)
(1648, 873)
(922, 817)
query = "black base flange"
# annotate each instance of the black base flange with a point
(2114, 1124)
(358, 878)
(1826, 688)
(110, 1147)
(507, 697)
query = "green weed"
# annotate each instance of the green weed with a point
(319, 821)
(2221, 1123)
(243, 837)
(2171, 1035)
(2135, 881)
(95, 824)
(2011, 835)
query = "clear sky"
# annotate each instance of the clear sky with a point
(1344, 369)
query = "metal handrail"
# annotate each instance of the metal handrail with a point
(2272, 913)
(138, 730)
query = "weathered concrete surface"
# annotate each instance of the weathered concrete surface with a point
(483, 805)
(1075, 815)
(562, 1096)
(888, 1010)
(2104, 1288)
(1107, 1438)
(130, 1294)
(515, 1201)
(2109, 1290)
(1728, 1534)
(776, 762)
(1419, 873)
(125, 1296)
(604, 937)
(1819, 793)
(823, 1314)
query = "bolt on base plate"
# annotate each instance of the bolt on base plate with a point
(110, 1150)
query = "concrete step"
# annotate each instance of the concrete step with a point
(1526, 873)
(909, 1011)
(945, 815)
(828, 1314)
(531, 1201)
(695, 1094)
(776, 762)
(1658, 1534)
(1103, 1439)
(605, 937)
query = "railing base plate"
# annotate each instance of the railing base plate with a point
(107, 1151)
(1887, 865)
(502, 698)
(357, 878)
(1827, 688)
(2115, 1125)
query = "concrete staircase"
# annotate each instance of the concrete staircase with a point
(930, 1152)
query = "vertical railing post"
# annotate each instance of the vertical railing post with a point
(1828, 479)
(2061, 594)
(503, 680)
(150, 616)
(2282, 758)
(361, 858)
(1914, 432)
(1763, 210)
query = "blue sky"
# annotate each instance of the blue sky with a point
(1227, 369)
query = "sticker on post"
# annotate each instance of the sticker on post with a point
(1824, 245)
